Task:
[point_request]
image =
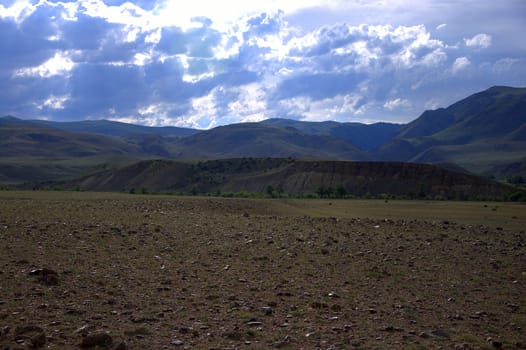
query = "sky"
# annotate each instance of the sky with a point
(205, 63)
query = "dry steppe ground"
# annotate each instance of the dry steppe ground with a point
(162, 272)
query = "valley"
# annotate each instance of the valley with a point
(140, 271)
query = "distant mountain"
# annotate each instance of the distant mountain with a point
(261, 140)
(366, 136)
(509, 170)
(478, 133)
(31, 152)
(292, 176)
(24, 139)
(484, 134)
(111, 128)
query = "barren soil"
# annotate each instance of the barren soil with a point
(160, 272)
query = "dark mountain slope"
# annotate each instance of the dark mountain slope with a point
(259, 140)
(366, 136)
(478, 133)
(294, 176)
(495, 112)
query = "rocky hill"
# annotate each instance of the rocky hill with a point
(292, 177)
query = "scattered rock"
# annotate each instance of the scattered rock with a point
(284, 342)
(84, 330)
(121, 346)
(47, 276)
(318, 305)
(33, 336)
(336, 308)
(4, 331)
(178, 342)
(234, 335)
(392, 329)
(496, 344)
(434, 334)
(139, 331)
(96, 339)
(267, 310)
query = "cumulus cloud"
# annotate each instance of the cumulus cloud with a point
(211, 63)
(396, 103)
(59, 64)
(482, 41)
(460, 64)
(53, 102)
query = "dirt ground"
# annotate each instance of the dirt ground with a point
(160, 272)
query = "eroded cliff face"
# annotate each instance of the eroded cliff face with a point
(293, 177)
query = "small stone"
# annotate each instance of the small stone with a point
(392, 329)
(285, 342)
(97, 339)
(4, 331)
(121, 346)
(47, 276)
(267, 310)
(178, 342)
(33, 335)
(434, 334)
(496, 344)
(184, 330)
(82, 330)
(336, 308)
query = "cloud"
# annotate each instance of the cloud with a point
(460, 64)
(396, 103)
(209, 63)
(18, 11)
(334, 108)
(59, 64)
(482, 41)
(53, 102)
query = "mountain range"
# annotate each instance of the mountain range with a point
(483, 134)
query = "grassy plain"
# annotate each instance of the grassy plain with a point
(214, 273)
